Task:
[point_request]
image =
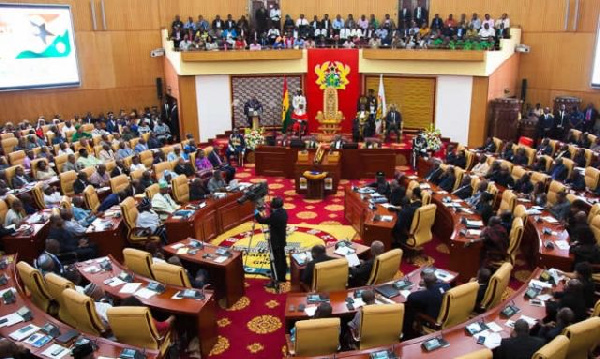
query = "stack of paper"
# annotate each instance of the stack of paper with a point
(130, 288)
(343, 250)
(145, 293)
(562, 245)
(11, 319)
(353, 260)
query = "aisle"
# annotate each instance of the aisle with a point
(254, 326)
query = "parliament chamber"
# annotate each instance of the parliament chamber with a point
(313, 179)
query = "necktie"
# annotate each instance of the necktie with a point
(588, 115)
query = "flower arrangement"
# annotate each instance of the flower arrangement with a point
(254, 138)
(433, 136)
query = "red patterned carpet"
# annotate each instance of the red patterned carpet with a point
(254, 327)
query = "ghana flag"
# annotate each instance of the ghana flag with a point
(286, 110)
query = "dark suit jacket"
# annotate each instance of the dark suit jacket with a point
(277, 222)
(460, 162)
(447, 182)
(307, 274)
(423, 14)
(434, 174)
(359, 275)
(397, 118)
(518, 348)
(427, 301)
(520, 160)
(464, 192)
(79, 186)
(559, 172)
(405, 218)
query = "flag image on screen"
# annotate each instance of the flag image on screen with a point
(37, 47)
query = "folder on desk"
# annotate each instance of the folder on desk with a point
(474, 224)
(388, 291)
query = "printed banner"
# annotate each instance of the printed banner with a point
(332, 68)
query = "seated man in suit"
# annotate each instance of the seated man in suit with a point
(563, 152)
(520, 158)
(426, 301)
(337, 143)
(503, 177)
(523, 185)
(520, 345)
(393, 121)
(549, 331)
(559, 171)
(544, 148)
(319, 254)
(461, 159)
(562, 207)
(450, 155)
(488, 146)
(381, 185)
(465, 190)
(483, 279)
(405, 217)
(360, 274)
(507, 152)
(435, 172)
(446, 181)
(236, 145)
(576, 181)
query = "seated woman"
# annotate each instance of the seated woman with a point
(203, 165)
(44, 171)
(15, 214)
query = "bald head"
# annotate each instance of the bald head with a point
(45, 263)
(521, 328)
(377, 248)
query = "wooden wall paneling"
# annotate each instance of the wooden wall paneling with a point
(505, 77)
(80, 10)
(95, 59)
(133, 64)
(188, 107)
(208, 9)
(130, 15)
(415, 97)
(171, 80)
(18, 105)
(479, 111)
(589, 11)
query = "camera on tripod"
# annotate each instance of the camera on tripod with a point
(255, 193)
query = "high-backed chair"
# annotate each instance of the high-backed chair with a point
(91, 198)
(575, 134)
(89, 171)
(411, 186)
(549, 162)
(34, 164)
(458, 174)
(470, 157)
(137, 174)
(508, 202)
(160, 168)
(553, 190)
(493, 190)
(496, 287)
(385, 267)
(583, 337)
(146, 158)
(181, 189)
(595, 227)
(7, 135)
(110, 165)
(16, 157)
(140, 262)
(596, 311)
(498, 142)
(589, 156)
(133, 142)
(554, 145)
(539, 177)
(593, 212)
(135, 235)
(425, 198)
(556, 349)
(570, 165)
(36, 286)
(127, 161)
(135, 326)
(330, 275)
(9, 172)
(420, 229)
(516, 235)
(592, 177)
(3, 210)
(530, 153)
(119, 183)
(152, 190)
(59, 161)
(66, 182)
(9, 144)
(56, 285)
(457, 305)
(37, 192)
(170, 274)
(479, 354)
(381, 325)
(520, 211)
(316, 337)
(83, 311)
(517, 172)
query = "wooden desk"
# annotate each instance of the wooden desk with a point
(334, 171)
(28, 244)
(355, 163)
(357, 212)
(218, 216)
(297, 269)
(338, 299)
(195, 316)
(227, 278)
(109, 237)
(106, 348)
(460, 342)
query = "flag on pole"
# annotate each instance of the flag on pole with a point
(286, 110)
(381, 104)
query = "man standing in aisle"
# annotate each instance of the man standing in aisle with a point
(277, 221)
(561, 122)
